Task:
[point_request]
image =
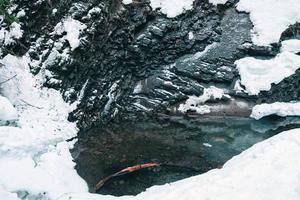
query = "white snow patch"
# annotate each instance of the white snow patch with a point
(21, 13)
(127, 2)
(269, 170)
(73, 28)
(172, 8)
(207, 145)
(196, 103)
(191, 35)
(258, 75)
(216, 2)
(138, 88)
(270, 18)
(8, 37)
(204, 52)
(278, 108)
(94, 10)
(7, 110)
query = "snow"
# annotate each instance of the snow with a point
(4, 195)
(73, 28)
(34, 156)
(172, 8)
(196, 103)
(127, 2)
(191, 35)
(282, 109)
(269, 170)
(270, 18)
(292, 46)
(7, 110)
(207, 145)
(8, 37)
(205, 51)
(258, 75)
(35, 162)
(138, 88)
(216, 2)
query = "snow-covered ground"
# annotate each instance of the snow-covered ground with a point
(35, 161)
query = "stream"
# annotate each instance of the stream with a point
(184, 146)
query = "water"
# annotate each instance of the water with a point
(185, 147)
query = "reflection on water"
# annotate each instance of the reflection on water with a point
(186, 147)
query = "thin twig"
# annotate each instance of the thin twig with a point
(8, 79)
(31, 104)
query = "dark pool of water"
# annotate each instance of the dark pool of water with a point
(186, 147)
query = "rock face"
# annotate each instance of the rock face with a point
(133, 60)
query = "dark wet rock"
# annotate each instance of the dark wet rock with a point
(174, 83)
(261, 51)
(292, 32)
(285, 91)
(127, 44)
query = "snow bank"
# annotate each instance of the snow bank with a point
(258, 75)
(195, 103)
(35, 161)
(270, 18)
(279, 108)
(7, 110)
(4, 195)
(292, 46)
(73, 28)
(269, 170)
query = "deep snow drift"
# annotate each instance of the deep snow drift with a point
(35, 161)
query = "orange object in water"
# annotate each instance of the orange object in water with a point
(125, 171)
